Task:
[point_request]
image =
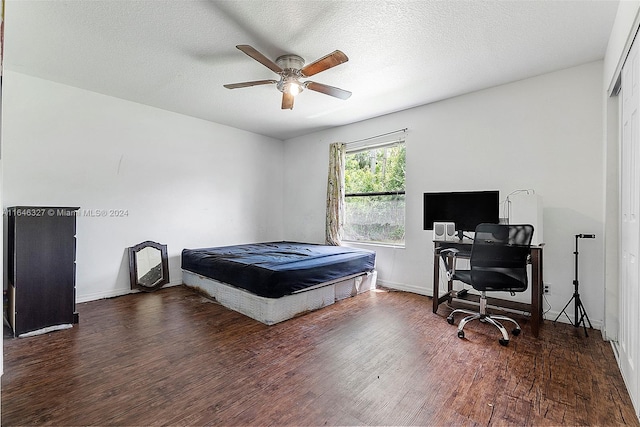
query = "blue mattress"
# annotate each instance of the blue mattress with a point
(276, 269)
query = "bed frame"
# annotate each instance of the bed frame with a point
(273, 310)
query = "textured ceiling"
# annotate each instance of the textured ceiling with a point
(176, 55)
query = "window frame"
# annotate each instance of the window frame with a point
(363, 147)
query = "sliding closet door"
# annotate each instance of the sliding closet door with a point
(630, 224)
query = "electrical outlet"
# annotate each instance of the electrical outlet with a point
(547, 287)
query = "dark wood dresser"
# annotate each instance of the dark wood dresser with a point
(41, 267)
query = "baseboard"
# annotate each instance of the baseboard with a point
(102, 295)
(115, 293)
(403, 287)
(616, 351)
(550, 316)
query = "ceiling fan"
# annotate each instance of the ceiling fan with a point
(291, 69)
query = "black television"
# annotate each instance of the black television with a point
(466, 209)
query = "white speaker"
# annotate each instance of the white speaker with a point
(439, 231)
(450, 231)
(444, 231)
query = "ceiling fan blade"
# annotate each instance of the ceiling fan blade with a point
(248, 84)
(287, 101)
(260, 58)
(324, 63)
(328, 90)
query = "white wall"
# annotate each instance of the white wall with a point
(183, 182)
(542, 133)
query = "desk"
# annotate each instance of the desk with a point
(535, 307)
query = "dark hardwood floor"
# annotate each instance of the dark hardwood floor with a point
(381, 358)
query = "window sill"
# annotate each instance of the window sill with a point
(376, 244)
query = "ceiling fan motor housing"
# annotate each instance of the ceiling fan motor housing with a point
(290, 75)
(290, 61)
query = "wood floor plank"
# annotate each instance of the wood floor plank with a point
(173, 357)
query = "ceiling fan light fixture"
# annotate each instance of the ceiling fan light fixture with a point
(290, 84)
(294, 88)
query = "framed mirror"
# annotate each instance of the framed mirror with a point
(148, 266)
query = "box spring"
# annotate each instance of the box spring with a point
(273, 310)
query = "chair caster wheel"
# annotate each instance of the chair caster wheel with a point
(503, 342)
(516, 332)
(460, 334)
(450, 320)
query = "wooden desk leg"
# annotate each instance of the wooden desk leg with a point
(436, 280)
(450, 261)
(536, 291)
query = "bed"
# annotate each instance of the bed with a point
(275, 281)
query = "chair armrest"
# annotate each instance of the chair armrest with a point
(446, 253)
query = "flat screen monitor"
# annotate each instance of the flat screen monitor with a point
(466, 209)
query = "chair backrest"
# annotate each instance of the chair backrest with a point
(499, 257)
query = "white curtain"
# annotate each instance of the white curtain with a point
(335, 194)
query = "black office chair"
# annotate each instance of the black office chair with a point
(498, 263)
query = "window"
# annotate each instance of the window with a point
(374, 194)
